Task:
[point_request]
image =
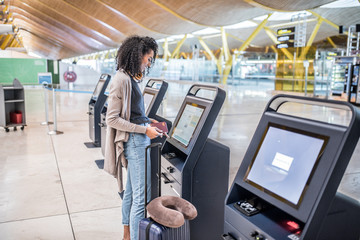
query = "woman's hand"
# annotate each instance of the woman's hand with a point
(153, 120)
(152, 132)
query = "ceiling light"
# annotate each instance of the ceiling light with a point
(342, 4)
(206, 31)
(244, 24)
(32, 54)
(281, 16)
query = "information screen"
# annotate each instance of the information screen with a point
(187, 123)
(148, 97)
(284, 162)
(98, 88)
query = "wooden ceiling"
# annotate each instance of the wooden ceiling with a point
(58, 29)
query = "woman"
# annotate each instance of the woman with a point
(128, 132)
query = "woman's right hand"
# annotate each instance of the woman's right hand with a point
(151, 132)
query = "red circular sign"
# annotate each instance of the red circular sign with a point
(70, 76)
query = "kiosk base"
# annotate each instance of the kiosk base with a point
(91, 145)
(341, 223)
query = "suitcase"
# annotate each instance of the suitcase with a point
(151, 230)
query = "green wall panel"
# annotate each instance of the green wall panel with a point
(25, 70)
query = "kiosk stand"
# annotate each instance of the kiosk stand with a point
(195, 167)
(96, 103)
(153, 94)
(286, 185)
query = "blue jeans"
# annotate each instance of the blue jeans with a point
(133, 202)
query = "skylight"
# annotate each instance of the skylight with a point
(244, 24)
(281, 16)
(206, 31)
(342, 4)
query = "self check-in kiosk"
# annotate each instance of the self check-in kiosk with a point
(194, 166)
(351, 77)
(96, 103)
(153, 94)
(286, 186)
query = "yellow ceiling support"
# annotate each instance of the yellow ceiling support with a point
(311, 38)
(6, 41)
(166, 50)
(183, 55)
(218, 61)
(178, 46)
(331, 42)
(178, 15)
(274, 49)
(225, 46)
(266, 49)
(13, 42)
(207, 49)
(227, 55)
(324, 19)
(235, 37)
(274, 39)
(253, 35)
(208, 57)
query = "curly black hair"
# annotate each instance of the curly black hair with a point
(131, 52)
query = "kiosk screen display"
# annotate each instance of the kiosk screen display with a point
(148, 97)
(107, 90)
(284, 162)
(98, 88)
(187, 123)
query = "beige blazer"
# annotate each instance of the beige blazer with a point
(118, 125)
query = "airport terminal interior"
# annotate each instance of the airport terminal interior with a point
(57, 62)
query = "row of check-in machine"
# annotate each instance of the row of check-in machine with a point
(286, 186)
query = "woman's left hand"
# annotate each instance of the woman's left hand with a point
(153, 120)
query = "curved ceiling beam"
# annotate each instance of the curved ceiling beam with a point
(112, 17)
(52, 24)
(116, 11)
(53, 30)
(211, 13)
(288, 6)
(43, 46)
(23, 22)
(58, 16)
(80, 19)
(90, 16)
(152, 16)
(178, 15)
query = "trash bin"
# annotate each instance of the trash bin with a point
(16, 117)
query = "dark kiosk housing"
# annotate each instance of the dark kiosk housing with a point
(96, 103)
(286, 186)
(194, 166)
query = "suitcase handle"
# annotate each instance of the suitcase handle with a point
(158, 145)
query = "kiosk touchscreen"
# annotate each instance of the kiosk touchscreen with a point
(188, 121)
(286, 185)
(194, 166)
(153, 94)
(280, 167)
(96, 103)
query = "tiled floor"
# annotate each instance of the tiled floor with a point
(51, 188)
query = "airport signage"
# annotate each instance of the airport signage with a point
(285, 38)
(286, 31)
(285, 45)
